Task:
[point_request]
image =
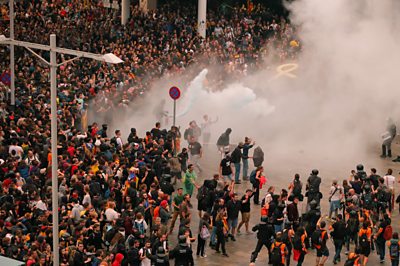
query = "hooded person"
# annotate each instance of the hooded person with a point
(223, 141)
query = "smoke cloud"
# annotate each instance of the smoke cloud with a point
(331, 116)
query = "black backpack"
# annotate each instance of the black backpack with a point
(364, 242)
(276, 255)
(368, 201)
(297, 244)
(316, 238)
(202, 194)
(297, 188)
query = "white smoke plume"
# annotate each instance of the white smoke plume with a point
(332, 115)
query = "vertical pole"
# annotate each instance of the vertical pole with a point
(54, 163)
(202, 18)
(12, 59)
(125, 11)
(174, 112)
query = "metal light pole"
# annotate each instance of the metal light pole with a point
(202, 18)
(53, 49)
(12, 59)
(54, 155)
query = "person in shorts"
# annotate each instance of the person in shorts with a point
(322, 250)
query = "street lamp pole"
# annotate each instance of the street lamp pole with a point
(54, 135)
(12, 58)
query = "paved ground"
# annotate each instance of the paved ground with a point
(279, 175)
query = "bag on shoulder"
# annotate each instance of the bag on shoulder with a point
(276, 255)
(205, 233)
(364, 242)
(317, 238)
(387, 234)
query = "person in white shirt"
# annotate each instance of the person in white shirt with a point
(390, 180)
(118, 139)
(15, 150)
(110, 213)
(335, 196)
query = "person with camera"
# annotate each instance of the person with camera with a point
(335, 196)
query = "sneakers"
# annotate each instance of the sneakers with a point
(226, 255)
(233, 238)
(205, 256)
(382, 261)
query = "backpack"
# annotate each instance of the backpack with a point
(140, 227)
(297, 188)
(387, 234)
(253, 175)
(384, 195)
(394, 249)
(368, 201)
(202, 194)
(364, 242)
(352, 225)
(113, 141)
(276, 255)
(297, 243)
(317, 237)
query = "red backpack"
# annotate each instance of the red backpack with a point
(387, 234)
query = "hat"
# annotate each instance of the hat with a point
(164, 203)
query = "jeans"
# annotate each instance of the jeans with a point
(334, 206)
(278, 227)
(245, 168)
(395, 262)
(237, 172)
(380, 248)
(213, 237)
(338, 248)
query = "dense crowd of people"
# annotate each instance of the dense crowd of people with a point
(123, 199)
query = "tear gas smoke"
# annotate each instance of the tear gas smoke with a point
(331, 115)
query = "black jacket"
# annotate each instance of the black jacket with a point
(236, 155)
(183, 255)
(264, 231)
